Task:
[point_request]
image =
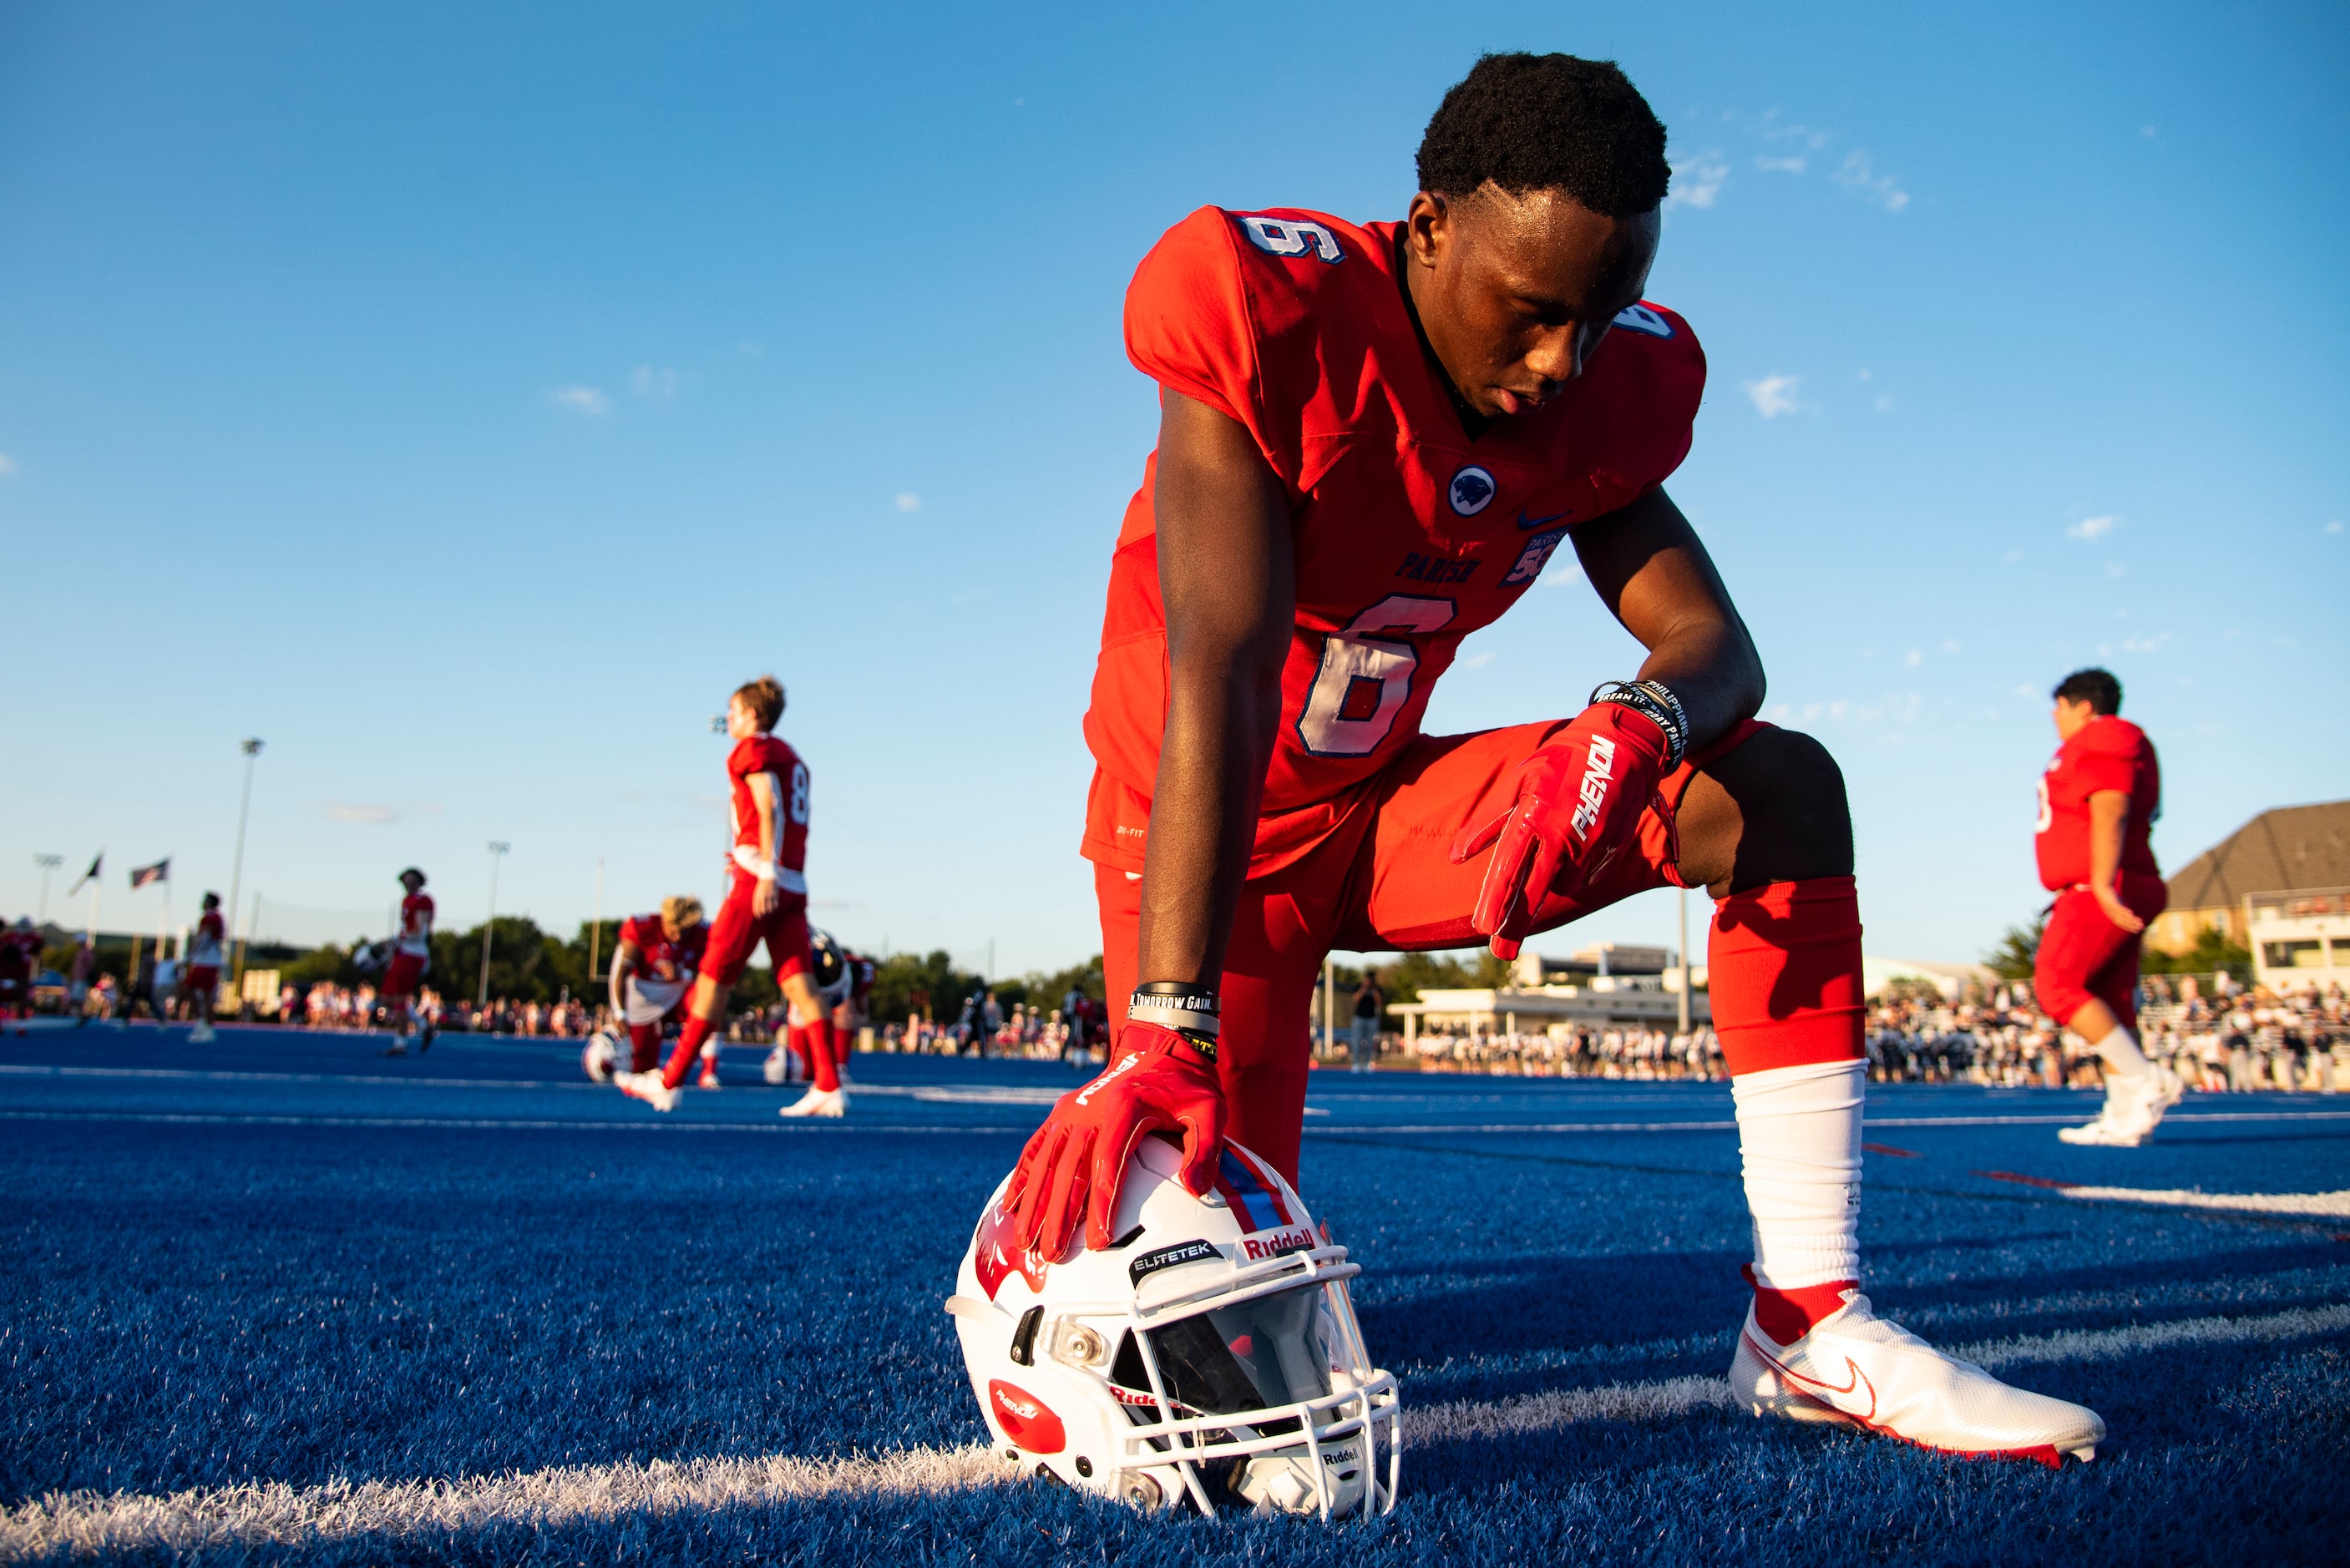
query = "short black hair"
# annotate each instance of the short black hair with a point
(411, 871)
(1543, 122)
(2098, 688)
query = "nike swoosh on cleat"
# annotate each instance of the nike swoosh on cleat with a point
(1829, 1392)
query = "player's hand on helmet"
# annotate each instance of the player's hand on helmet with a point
(1156, 1081)
(1573, 805)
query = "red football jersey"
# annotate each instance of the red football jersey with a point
(416, 924)
(205, 947)
(1410, 534)
(766, 754)
(663, 958)
(20, 952)
(2109, 753)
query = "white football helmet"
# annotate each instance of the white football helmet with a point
(831, 976)
(784, 1065)
(598, 1056)
(1210, 1359)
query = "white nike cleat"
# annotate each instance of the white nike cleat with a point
(1858, 1369)
(819, 1103)
(2133, 1107)
(647, 1087)
(200, 1035)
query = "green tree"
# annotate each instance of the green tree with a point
(1405, 979)
(2012, 959)
(2212, 952)
(919, 983)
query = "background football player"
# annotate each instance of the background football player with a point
(767, 901)
(2098, 800)
(1372, 439)
(411, 955)
(200, 983)
(657, 960)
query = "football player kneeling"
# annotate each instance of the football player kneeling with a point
(1209, 1359)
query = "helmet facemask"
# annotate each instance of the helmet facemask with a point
(1228, 1373)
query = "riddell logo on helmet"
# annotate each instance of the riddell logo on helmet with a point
(1296, 1240)
(1597, 769)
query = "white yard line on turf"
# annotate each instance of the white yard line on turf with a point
(2330, 1204)
(94, 1523)
(654, 1125)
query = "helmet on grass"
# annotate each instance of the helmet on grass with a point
(599, 1057)
(1210, 1359)
(830, 969)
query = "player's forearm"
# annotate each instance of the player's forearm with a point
(1220, 722)
(1649, 567)
(2109, 814)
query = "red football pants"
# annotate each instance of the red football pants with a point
(1384, 879)
(737, 932)
(2084, 957)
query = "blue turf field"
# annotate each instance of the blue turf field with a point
(285, 1258)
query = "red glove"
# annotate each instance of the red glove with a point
(1074, 1164)
(1574, 804)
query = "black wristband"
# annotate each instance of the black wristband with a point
(1184, 1006)
(1655, 702)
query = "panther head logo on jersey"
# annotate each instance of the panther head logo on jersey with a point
(1471, 491)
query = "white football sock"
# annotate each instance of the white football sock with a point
(2119, 1052)
(1799, 1136)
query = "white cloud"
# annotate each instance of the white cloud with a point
(1858, 175)
(1913, 659)
(588, 400)
(2148, 132)
(1884, 404)
(2154, 644)
(1949, 645)
(2093, 527)
(1782, 165)
(652, 381)
(1775, 395)
(2115, 568)
(1476, 662)
(361, 811)
(1698, 178)
(750, 351)
(7, 467)
(908, 501)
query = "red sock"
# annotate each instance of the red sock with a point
(822, 1066)
(1785, 963)
(644, 1048)
(1788, 1315)
(689, 1046)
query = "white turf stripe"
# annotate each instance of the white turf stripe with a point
(89, 1523)
(2334, 1204)
(978, 1096)
(94, 1523)
(653, 1123)
(2112, 1343)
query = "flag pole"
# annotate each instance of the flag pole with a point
(250, 747)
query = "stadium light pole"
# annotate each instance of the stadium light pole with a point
(48, 863)
(250, 747)
(498, 847)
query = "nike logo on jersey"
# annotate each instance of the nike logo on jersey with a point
(1422, 569)
(1526, 522)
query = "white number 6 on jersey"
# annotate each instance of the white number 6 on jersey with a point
(1365, 680)
(1292, 237)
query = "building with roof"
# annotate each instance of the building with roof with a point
(2291, 850)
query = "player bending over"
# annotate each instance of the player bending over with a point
(657, 959)
(411, 955)
(2098, 800)
(766, 900)
(1373, 437)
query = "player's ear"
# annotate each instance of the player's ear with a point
(1427, 227)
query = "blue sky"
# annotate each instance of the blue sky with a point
(465, 399)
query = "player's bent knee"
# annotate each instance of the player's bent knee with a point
(1788, 820)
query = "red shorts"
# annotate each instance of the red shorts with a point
(1384, 879)
(2084, 957)
(203, 980)
(401, 976)
(736, 934)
